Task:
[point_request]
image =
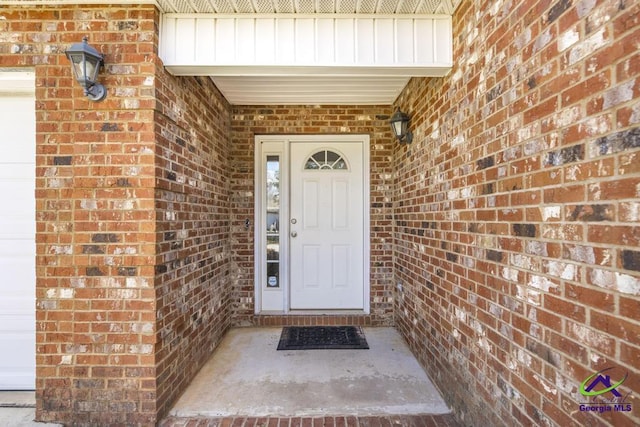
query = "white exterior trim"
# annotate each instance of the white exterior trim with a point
(270, 299)
(279, 145)
(210, 44)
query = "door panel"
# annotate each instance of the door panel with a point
(340, 204)
(311, 204)
(311, 266)
(340, 265)
(327, 220)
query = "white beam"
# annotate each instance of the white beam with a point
(399, 45)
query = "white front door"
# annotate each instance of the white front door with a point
(326, 225)
(17, 231)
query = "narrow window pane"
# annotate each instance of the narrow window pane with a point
(273, 182)
(273, 248)
(273, 222)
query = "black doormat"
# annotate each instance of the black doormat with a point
(322, 338)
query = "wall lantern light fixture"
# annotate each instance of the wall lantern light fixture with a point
(86, 63)
(400, 126)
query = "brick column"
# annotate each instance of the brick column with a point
(132, 217)
(95, 205)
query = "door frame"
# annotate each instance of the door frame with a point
(276, 301)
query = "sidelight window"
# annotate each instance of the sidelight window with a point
(273, 221)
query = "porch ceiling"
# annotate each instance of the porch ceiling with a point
(311, 6)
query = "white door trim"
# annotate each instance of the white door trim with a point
(268, 301)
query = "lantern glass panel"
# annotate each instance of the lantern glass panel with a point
(397, 128)
(93, 68)
(78, 67)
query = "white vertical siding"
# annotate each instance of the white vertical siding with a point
(384, 41)
(404, 41)
(424, 31)
(443, 51)
(345, 50)
(325, 46)
(265, 41)
(285, 41)
(245, 38)
(305, 37)
(365, 46)
(206, 31)
(225, 43)
(214, 40)
(186, 37)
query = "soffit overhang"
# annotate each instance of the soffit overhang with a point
(385, 7)
(311, 6)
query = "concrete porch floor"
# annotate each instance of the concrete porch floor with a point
(247, 377)
(18, 409)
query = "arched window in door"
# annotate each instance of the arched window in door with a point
(326, 160)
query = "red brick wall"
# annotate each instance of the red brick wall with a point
(193, 292)
(248, 121)
(132, 217)
(516, 230)
(515, 234)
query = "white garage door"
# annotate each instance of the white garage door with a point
(17, 231)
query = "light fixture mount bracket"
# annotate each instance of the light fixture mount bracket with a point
(96, 93)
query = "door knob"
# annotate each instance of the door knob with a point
(294, 234)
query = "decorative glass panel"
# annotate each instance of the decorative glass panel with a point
(273, 222)
(326, 160)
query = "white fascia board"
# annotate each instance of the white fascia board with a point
(307, 44)
(300, 15)
(436, 70)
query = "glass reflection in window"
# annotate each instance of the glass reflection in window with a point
(273, 221)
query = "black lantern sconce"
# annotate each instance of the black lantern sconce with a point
(86, 63)
(400, 126)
